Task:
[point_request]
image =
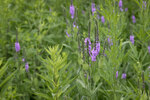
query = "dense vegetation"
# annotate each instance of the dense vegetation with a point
(74, 50)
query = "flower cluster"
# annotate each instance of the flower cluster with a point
(72, 11)
(93, 8)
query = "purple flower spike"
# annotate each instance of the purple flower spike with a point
(120, 4)
(116, 74)
(93, 8)
(67, 34)
(126, 9)
(149, 49)
(133, 19)
(103, 19)
(17, 46)
(124, 76)
(27, 67)
(72, 11)
(144, 2)
(132, 39)
(89, 44)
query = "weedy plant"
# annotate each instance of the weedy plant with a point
(58, 77)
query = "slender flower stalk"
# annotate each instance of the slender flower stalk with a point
(120, 5)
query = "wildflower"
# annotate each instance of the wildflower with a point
(121, 9)
(72, 11)
(85, 75)
(124, 76)
(120, 4)
(133, 19)
(103, 19)
(23, 59)
(89, 78)
(17, 46)
(109, 41)
(93, 8)
(27, 67)
(126, 9)
(67, 34)
(116, 74)
(132, 39)
(144, 2)
(94, 54)
(98, 17)
(89, 44)
(149, 49)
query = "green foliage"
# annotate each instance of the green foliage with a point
(57, 79)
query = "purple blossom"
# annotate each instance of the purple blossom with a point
(132, 39)
(124, 76)
(144, 2)
(67, 34)
(116, 74)
(89, 44)
(72, 11)
(133, 19)
(95, 51)
(23, 59)
(109, 41)
(27, 67)
(149, 49)
(93, 8)
(121, 9)
(85, 75)
(126, 9)
(98, 17)
(17, 46)
(120, 4)
(103, 19)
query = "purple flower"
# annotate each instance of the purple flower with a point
(72, 11)
(120, 4)
(85, 75)
(67, 34)
(98, 17)
(149, 49)
(103, 19)
(132, 39)
(126, 9)
(23, 59)
(133, 19)
(89, 44)
(27, 67)
(109, 41)
(94, 54)
(116, 74)
(93, 8)
(144, 2)
(124, 76)
(121, 9)
(17, 46)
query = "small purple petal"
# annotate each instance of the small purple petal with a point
(103, 19)
(23, 59)
(126, 9)
(133, 19)
(120, 4)
(116, 74)
(67, 34)
(27, 67)
(132, 39)
(72, 11)
(93, 8)
(149, 49)
(124, 76)
(17, 46)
